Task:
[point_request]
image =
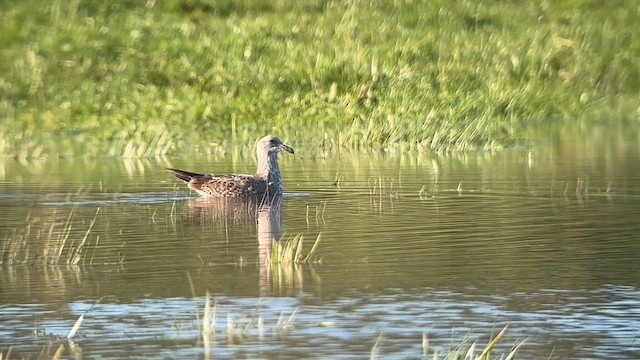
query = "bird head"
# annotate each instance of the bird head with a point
(271, 144)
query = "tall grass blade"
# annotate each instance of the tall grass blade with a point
(313, 249)
(485, 353)
(298, 250)
(375, 350)
(75, 327)
(207, 331)
(471, 353)
(76, 253)
(513, 352)
(206, 316)
(425, 345)
(59, 352)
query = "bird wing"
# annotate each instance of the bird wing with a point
(235, 185)
(210, 185)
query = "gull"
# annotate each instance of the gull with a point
(266, 181)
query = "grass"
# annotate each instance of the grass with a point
(465, 350)
(241, 330)
(140, 79)
(53, 239)
(241, 327)
(382, 187)
(286, 257)
(288, 252)
(65, 344)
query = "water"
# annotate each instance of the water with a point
(454, 246)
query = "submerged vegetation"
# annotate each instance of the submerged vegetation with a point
(140, 79)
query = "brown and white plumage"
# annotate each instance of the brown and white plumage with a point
(266, 181)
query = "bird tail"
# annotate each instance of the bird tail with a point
(185, 176)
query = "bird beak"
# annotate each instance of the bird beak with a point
(283, 147)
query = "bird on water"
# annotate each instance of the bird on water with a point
(266, 181)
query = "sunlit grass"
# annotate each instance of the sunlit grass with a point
(150, 78)
(464, 350)
(239, 326)
(52, 240)
(286, 261)
(288, 252)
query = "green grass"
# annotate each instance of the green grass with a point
(465, 350)
(150, 78)
(288, 252)
(54, 239)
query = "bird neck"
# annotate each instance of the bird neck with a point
(269, 169)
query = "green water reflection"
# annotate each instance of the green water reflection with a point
(561, 217)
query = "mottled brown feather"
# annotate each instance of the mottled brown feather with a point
(267, 179)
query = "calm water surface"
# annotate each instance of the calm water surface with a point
(454, 246)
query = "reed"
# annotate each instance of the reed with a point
(383, 187)
(467, 349)
(240, 326)
(285, 322)
(76, 253)
(50, 241)
(288, 252)
(375, 349)
(208, 324)
(68, 344)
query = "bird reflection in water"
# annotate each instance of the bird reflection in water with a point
(236, 214)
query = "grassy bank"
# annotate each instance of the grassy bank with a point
(144, 79)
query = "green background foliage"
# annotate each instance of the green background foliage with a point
(157, 76)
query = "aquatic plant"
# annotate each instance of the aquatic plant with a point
(464, 350)
(239, 326)
(288, 251)
(52, 240)
(382, 187)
